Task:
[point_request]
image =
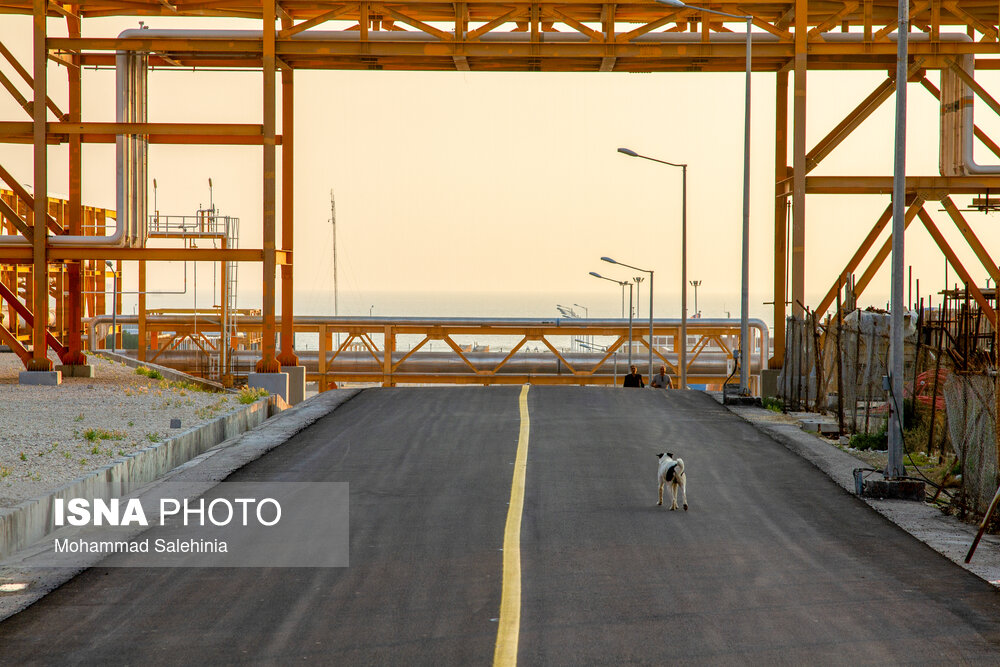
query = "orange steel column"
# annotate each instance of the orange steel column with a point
(780, 208)
(141, 347)
(799, 160)
(40, 272)
(287, 356)
(74, 289)
(268, 363)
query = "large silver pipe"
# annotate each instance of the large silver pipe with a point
(713, 364)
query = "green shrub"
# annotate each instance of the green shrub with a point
(151, 373)
(774, 404)
(95, 434)
(878, 441)
(249, 395)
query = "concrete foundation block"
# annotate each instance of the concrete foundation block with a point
(895, 489)
(276, 384)
(296, 383)
(48, 378)
(823, 428)
(76, 371)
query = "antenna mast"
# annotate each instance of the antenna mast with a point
(333, 222)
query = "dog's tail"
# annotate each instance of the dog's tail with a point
(679, 468)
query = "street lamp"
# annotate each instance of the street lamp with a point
(696, 284)
(637, 280)
(114, 309)
(745, 290)
(586, 314)
(682, 348)
(566, 311)
(623, 284)
(638, 294)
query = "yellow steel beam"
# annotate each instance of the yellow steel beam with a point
(268, 362)
(781, 172)
(855, 118)
(29, 201)
(959, 269)
(21, 100)
(406, 356)
(160, 133)
(971, 238)
(67, 253)
(318, 20)
(933, 186)
(11, 216)
(39, 265)
(883, 252)
(980, 134)
(855, 260)
(16, 65)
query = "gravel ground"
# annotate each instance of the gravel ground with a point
(52, 435)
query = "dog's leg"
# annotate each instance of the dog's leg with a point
(684, 492)
(660, 501)
(673, 495)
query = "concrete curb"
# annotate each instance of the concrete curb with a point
(167, 373)
(945, 534)
(32, 520)
(200, 473)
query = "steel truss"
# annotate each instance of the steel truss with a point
(790, 38)
(370, 350)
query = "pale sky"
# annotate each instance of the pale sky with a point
(510, 182)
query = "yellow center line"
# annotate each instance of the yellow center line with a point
(505, 652)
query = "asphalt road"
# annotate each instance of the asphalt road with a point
(773, 564)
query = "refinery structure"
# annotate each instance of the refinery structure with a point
(58, 256)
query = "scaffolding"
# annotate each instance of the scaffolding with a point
(207, 225)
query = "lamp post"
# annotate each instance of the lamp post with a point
(682, 348)
(745, 282)
(586, 314)
(638, 294)
(894, 467)
(568, 312)
(623, 284)
(114, 309)
(608, 259)
(696, 284)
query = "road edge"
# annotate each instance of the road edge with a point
(202, 472)
(943, 533)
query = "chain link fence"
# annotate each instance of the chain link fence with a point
(950, 405)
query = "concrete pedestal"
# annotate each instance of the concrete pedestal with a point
(76, 371)
(896, 489)
(275, 383)
(296, 383)
(769, 382)
(50, 378)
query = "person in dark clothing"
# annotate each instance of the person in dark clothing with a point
(633, 379)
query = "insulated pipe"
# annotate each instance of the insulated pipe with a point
(714, 364)
(130, 162)
(967, 63)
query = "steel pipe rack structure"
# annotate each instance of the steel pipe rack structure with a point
(955, 37)
(370, 350)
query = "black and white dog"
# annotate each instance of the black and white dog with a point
(672, 472)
